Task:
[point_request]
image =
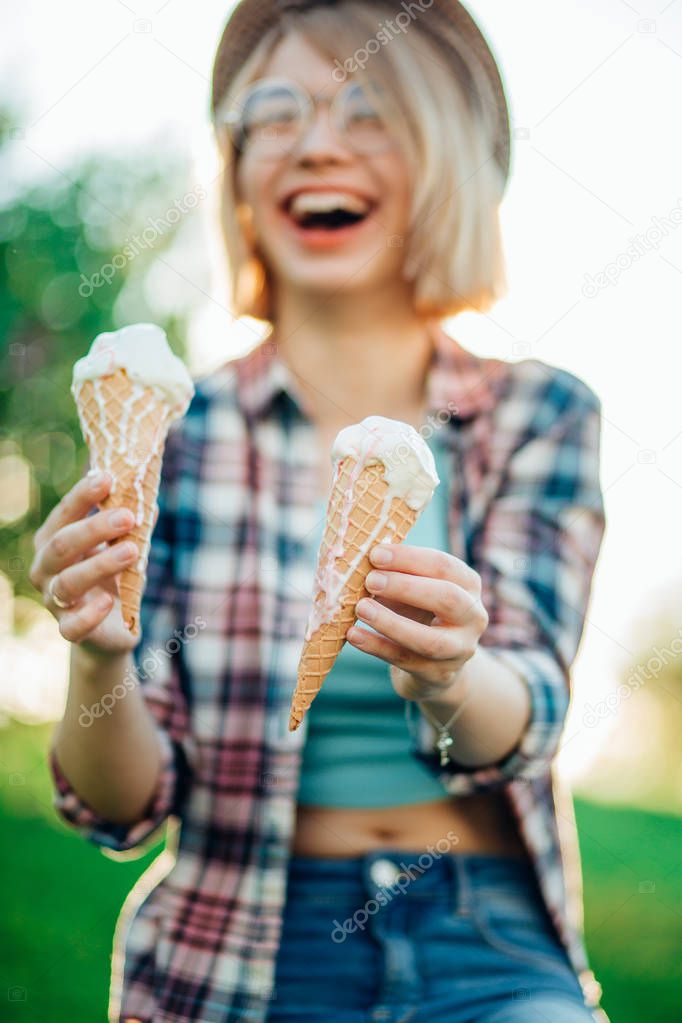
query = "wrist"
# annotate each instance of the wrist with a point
(95, 666)
(441, 706)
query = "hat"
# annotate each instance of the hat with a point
(250, 19)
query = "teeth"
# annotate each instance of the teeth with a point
(325, 202)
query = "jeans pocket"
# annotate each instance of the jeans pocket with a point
(516, 923)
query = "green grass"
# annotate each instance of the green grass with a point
(632, 869)
(62, 897)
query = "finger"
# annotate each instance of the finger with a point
(398, 656)
(70, 542)
(431, 641)
(440, 596)
(76, 623)
(75, 581)
(427, 561)
(417, 614)
(374, 643)
(75, 504)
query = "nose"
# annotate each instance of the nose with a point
(319, 140)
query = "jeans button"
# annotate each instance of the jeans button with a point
(384, 873)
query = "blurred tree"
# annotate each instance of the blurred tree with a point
(70, 248)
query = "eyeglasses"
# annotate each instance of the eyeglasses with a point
(272, 113)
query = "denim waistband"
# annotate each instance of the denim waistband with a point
(416, 872)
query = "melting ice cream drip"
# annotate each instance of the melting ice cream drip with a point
(329, 581)
(128, 447)
(106, 433)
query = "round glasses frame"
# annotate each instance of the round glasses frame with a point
(273, 140)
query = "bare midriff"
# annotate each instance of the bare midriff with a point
(482, 822)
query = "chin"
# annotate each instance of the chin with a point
(329, 272)
(327, 280)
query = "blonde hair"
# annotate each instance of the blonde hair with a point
(443, 114)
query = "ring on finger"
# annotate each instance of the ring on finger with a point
(57, 600)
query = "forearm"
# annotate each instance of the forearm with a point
(111, 757)
(494, 717)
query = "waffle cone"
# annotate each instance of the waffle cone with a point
(125, 427)
(358, 502)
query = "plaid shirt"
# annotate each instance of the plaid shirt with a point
(223, 619)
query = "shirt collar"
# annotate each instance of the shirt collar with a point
(458, 382)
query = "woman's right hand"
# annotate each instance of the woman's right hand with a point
(74, 563)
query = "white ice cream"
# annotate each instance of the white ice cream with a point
(142, 350)
(410, 471)
(409, 467)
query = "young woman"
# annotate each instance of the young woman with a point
(352, 870)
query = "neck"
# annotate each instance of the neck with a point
(353, 358)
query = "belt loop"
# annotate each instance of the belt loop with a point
(463, 894)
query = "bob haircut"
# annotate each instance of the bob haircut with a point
(443, 116)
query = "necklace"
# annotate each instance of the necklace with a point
(444, 740)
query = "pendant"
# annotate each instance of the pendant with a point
(443, 741)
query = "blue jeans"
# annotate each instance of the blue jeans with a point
(411, 937)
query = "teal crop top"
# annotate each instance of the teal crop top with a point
(357, 749)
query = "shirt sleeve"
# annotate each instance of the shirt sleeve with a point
(159, 670)
(536, 552)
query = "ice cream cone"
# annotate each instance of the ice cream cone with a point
(368, 504)
(128, 389)
(125, 427)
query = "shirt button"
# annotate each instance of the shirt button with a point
(384, 873)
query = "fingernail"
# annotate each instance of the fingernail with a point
(121, 517)
(366, 609)
(96, 478)
(376, 581)
(125, 551)
(381, 555)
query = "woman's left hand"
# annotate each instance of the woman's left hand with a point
(426, 605)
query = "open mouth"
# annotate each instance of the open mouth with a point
(326, 211)
(331, 220)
